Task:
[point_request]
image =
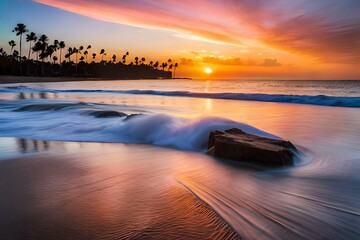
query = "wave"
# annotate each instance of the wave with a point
(322, 100)
(64, 121)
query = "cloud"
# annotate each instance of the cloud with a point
(240, 62)
(270, 63)
(187, 62)
(328, 30)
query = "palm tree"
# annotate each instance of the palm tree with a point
(88, 47)
(136, 61)
(15, 54)
(76, 51)
(37, 48)
(56, 45)
(70, 52)
(61, 47)
(43, 39)
(114, 58)
(169, 61)
(151, 63)
(85, 54)
(156, 64)
(175, 66)
(55, 58)
(44, 54)
(50, 50)
(12, 45)
(143, 60)
(20, 29)
(163, 66)
(170, 67)
(102, 52)
(93, 62)
(30, 38)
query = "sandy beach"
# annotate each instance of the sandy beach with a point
(92, 191)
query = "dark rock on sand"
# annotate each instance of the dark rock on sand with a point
(108, 114)
(237, 145)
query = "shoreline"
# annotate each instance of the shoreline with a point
(5, 79)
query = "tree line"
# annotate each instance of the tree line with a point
(55, 59)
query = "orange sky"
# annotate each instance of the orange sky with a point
(301, 39)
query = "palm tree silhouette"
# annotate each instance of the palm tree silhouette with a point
(85, 54)
(12, 45)
(61, 47)
(76, 51)
(37, 48)
(143, 60)
(56, 45)
(50, 50)
(114, 58)
(55, 58)
(94, 56)
(136, 61)
(175, 66)
(20, 29)
(70, 52)
(30, 38)
(43, 55)
(102, 52)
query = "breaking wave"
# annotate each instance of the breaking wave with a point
(71, 121)
(322, 100)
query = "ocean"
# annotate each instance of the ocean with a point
(170, 120)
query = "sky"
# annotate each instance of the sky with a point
(240, 39)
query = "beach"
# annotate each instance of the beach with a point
(65, 172)
(94, 191)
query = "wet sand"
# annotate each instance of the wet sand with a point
(62, 190)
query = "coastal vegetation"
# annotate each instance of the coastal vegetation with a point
(46, 58)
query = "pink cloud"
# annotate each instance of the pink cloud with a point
(301, 27)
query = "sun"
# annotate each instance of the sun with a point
(208, 70)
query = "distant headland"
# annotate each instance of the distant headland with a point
(56, 59)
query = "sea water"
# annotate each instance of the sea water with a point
(318, 198)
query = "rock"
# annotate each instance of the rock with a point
(108, 114)
(237, 145)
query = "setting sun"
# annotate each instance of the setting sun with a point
(208, 71)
